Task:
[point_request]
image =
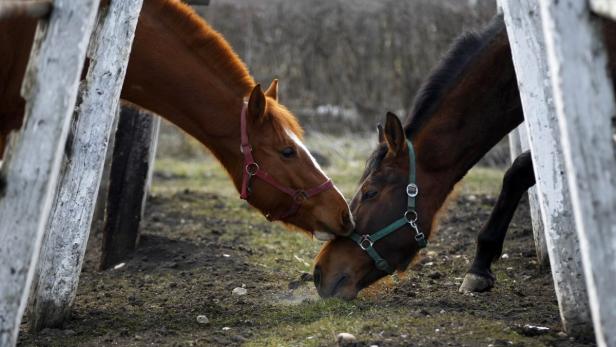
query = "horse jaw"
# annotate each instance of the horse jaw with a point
(324, 235)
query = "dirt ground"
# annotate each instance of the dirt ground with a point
(199, 242)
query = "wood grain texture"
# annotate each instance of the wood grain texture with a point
(584, 102)
(525, 31)
(31, 169)
(131, 167)
(69, 223)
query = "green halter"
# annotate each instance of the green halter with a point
(366, 241)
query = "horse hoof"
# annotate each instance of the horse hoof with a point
(475, 283)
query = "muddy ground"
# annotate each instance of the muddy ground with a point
(199, 242)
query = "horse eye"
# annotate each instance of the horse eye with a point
(288, 152)
(369, 194)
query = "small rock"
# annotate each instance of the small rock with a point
(505, 256)
(240, 291)
(534, 330)
(562, 334)
(119, 266)
(202, 319)
(346, 339)
(226, 328)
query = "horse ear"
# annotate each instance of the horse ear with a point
(379, 130)
(272, 91)
(394, 135)
(256, 103)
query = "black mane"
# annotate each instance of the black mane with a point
(463, 51)
(446, 74)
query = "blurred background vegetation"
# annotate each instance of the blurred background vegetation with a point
(341, 63)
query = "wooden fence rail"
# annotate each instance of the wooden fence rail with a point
(50, 89)
(69, 224)
(584, 102)
(525, 31)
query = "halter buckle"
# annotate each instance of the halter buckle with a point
(252, 169)
(412, 190)
(365, 242)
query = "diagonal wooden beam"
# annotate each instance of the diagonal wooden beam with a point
(31, 169)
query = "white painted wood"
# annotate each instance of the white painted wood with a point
(605, 8)
(518, 143)
(69, 224)
(30, 172)
(584, 102)
(525, 32)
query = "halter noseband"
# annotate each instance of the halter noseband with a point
(366, 241)
(252, 169)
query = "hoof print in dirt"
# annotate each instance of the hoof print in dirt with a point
(346, 340)
(475, 283)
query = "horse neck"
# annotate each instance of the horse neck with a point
(185, 72)
(473, 115)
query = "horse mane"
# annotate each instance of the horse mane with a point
(218, 55)
(451, 68)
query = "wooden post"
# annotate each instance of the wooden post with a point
(30, 172)
(518, 143)
(69, 224)
(528, 49)
(584, 102)
(133, 160)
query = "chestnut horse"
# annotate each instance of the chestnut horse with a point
(467, 105)
(185, 71)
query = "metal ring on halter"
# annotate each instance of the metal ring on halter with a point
(420, 236)
(365, 238)
(252, 169)
(410, 216)
(412, 190)
(300, 196)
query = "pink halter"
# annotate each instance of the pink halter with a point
(252, 169)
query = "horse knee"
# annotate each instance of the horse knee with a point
(520, 175)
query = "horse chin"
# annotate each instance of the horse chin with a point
(323, 235)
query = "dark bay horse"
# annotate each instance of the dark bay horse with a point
(467, 105)
(185, 71)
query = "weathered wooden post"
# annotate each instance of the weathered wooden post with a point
(69, 224)
(30, 171)
(518, 143)
(129, 179)
(584, 102)
(529, 56)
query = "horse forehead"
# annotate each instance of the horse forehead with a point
(298, 142)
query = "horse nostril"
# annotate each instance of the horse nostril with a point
(317, 276)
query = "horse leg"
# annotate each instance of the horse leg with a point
(516, 181)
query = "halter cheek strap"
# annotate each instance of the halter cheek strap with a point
(252, 169)
(366, 241)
